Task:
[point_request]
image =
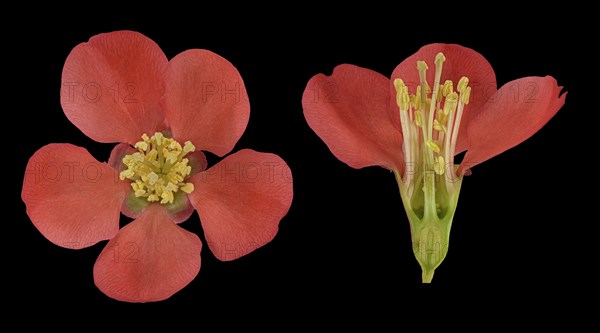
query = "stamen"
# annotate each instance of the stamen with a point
(438, 111)
(159, 168)
(439, 165)
(158, 136)
(152, 178)
(418, 119)
(415, 102)
(447, 87)
(403, 102)
(439, 63)
(462, 84)
(442, 117)
(440, 58)
(402, 98)
(433, 145)
(450, 103)
(188, 147)
(464, 96)
(438, 126)
(142, 145)
(422, 67)
(398, 84)
(187, 188)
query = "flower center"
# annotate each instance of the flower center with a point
(431, 119)
(430, 186)
(159, 168)
(430, 124)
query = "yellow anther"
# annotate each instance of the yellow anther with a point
(167, 197)
(152, 178)
(450, 103)
(170, 187)
(138, 188)
(417, 104)
(158, 169)
(137, 157)
(439, 165)
(413, 101)
(404, 102)
(439, 126)
(422, 66)
(126, 174)
(142, 145)
(187, 188)
(448, 87)
(152, 155)
(402, 98)
(170, 156)
(462, 84)
(433, 116)
(158, 136)
(399, 84)
(418, 118)
(127, 160)
(135, 186)
(433, 146)
(175, 178)
(464, 96)
(174, 145)
(440, 58)
(188, 147)
(442, 117)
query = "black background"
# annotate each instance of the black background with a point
(345, 244)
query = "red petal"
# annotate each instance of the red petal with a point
(149, 260)
(71, 198)
(206, 101)
(460, 61)
(111, 86)
(241, 200)
(349, 111)
(520, 108)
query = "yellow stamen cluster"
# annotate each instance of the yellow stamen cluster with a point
(158, 168)
(431, 117)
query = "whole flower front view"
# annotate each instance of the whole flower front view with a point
(120, 87)
(416, 122)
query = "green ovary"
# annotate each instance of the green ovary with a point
(430, 203)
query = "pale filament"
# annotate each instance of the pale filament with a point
(438, 113)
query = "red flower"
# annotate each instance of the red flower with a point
(120, 87)
(416, 122)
